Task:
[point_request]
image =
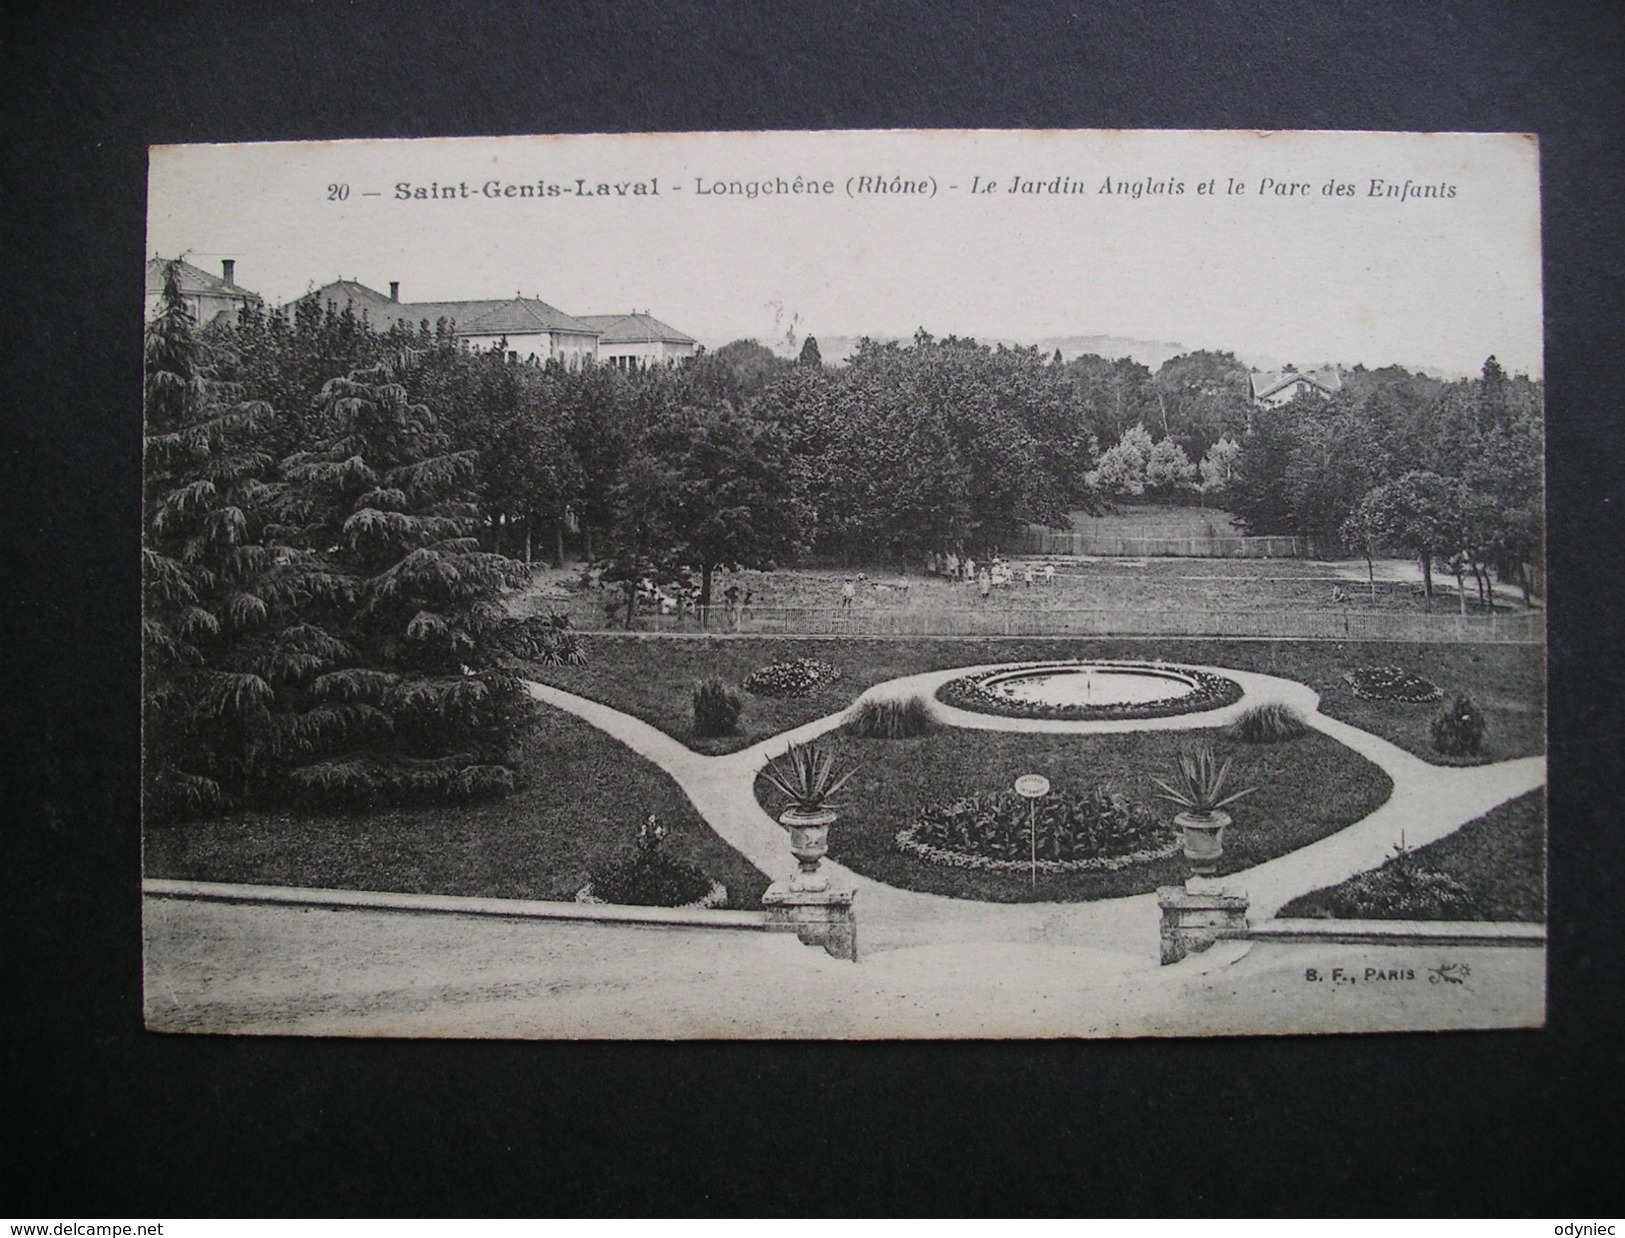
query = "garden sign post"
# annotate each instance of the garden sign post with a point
(1032, 788)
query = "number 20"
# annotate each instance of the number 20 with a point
(337, 193)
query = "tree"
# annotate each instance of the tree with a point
(729, 486)
(1218, 466)
(641, 545)
(396, 677)
(809, 352)
(1167, 468)
(755, 366)
(932, 445)
(328, 628)
(1420, 513)
(1122, 468)
(1335, 459)
(1365, 531)
(1257, 494)
(1201, 395)
(204, 568)
(1112, 394)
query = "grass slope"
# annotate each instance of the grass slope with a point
(584, 797)
(1308, 788)
(651, 677)
(1131, 519)
(1500, 858)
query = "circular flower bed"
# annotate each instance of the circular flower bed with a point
(1391, 683)
(801, 677)
(1098, 830)
(978, 693)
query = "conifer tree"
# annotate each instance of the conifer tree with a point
(203, 570)
(326, 629)
(414, 693)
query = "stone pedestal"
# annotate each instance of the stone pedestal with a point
(1193, 919)
(820, 917)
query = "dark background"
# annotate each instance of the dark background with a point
(102, 1119)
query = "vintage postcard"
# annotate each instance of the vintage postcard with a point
(845, 585)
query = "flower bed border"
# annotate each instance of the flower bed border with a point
(716, 896)
(904, 841)
(968, 693)
(825, 673)
(1396, 696)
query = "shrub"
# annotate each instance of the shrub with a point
(649, 877)
(1269, 724)
(1391, 683)
(360, 782)
(1098, 829)
(1201, 780)
(890, 719)
(555, 643)
(805, 775)
(800, 677)
(716, 708)
(1458, 731)
(1403, 889)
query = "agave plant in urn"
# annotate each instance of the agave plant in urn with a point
(806, 776)
(1199, 791)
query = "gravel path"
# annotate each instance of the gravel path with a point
(285, 970)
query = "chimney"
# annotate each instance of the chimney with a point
(228, 272)
(394, 290)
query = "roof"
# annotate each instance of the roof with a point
(514, 316)
(194, 280)
(634, 329)
(343, 292)
(518, 316)
(1327, 379)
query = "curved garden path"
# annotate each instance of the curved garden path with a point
(1427, 803)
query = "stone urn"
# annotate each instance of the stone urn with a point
(1204, 839)
(809, 842)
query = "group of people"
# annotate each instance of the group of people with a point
(682, 601)
(986, 576)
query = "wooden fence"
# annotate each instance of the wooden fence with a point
(1522, 627)
(1057, 542)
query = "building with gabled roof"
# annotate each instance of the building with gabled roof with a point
(1283, 386)
(209, 298)
(529, 326)
(635, 339)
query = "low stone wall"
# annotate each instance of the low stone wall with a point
(447, 904)
(1197, 915)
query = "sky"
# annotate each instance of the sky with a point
(1287, 246)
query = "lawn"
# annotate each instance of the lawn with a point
(652, 677)
(1307, 788)
(583, 799)
(1500, 859)
(1159, 585)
